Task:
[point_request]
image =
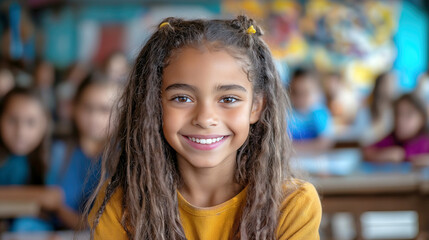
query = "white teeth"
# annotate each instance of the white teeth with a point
(205, 141)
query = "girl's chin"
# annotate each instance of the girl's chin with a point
(202, 162)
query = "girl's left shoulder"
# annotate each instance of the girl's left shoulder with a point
(300, 211)
(298, 191)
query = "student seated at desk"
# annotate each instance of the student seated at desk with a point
(341, 100)
(75, 164)
(23, 148)
(374, 118)
(409, 140)
(311, 123)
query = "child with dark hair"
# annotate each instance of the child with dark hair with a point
(24, 138)
(409, 140)
(24, 145)
(379, 113)
(200, 149)
(75, 162)
(311, 123)
(341, 101)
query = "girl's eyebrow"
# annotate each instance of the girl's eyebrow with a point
(231, 87)
(181, 86)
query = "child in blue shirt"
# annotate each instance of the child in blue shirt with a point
(311, 123)
(24, 144)
(75, 162)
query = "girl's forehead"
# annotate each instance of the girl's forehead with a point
(408, 106)
(239, 55)
(23, 105)
(204, 67)
(21, 99)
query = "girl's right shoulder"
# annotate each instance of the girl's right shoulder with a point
(109, 218)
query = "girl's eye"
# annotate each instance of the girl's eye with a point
(228, 100)
(182, 99)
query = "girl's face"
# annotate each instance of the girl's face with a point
(333, 85)
(207, 107)
(23, 125)
(92, 111)
(408, 122)
(303, 93)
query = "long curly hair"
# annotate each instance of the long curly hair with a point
(141, 163)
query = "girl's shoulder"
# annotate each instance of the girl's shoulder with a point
(297, 190)
(109, 223)
(114, 201)
(300, 211)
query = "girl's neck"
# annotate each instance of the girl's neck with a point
(210, 186)
(91, 147)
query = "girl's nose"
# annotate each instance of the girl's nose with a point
(205, 116)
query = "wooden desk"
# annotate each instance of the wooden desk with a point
(361, 193)
(12, 209)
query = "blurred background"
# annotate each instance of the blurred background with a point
(356, 72)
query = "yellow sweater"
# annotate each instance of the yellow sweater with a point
(299, 219)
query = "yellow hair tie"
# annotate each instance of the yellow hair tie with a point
(164, 24)
(251, 30)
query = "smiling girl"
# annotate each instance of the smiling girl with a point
(201, 149)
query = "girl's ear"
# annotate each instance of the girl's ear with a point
(257, 106)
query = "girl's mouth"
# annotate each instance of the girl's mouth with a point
(205, 142)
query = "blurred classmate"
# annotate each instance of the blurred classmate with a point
(379, 113)
(373, 120)
(64, 93)
(75, 162)
(409, 140)
(7, 81)
(311, 123)
(341, 101)
(23, 125)
(117, 67)
(23, 152)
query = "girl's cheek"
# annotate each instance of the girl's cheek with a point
(35, 132)
(238, 120)
(173, 119)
